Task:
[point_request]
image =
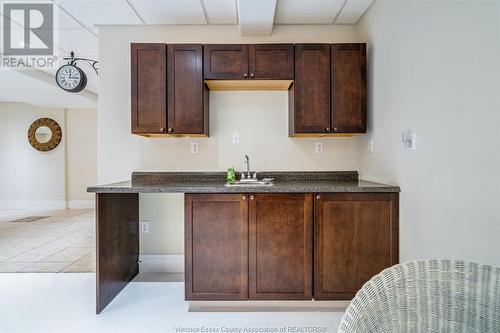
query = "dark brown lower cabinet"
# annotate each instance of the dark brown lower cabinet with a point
(280, 246)
(216, 246)
(262, 246)
(356, 237)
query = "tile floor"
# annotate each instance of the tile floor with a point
(66, 303)
(63, 242)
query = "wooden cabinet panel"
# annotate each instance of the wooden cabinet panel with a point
(271, 61)
(348, 88)
(225, 61)
(311, 107)
(356, 237)
(187, 95)
(149, 92)
(280, 246)
(216, 246)
(117, 244)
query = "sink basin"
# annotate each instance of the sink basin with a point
(251, 183)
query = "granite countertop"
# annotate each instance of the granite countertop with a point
(213, 182)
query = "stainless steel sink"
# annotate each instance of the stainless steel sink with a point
(252, 183)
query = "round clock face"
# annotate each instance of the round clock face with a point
(71, 78)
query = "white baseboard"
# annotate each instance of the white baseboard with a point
(47, 205)
(161, 263)
(80, 204)
(33, 205)
(268, 306)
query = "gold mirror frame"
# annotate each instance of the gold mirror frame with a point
(55, 139)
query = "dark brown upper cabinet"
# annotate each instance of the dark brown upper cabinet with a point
(310, 95)
(280, 246)
(187, 94)
(348, 88)
(271, 61)
(216, 246)
(149, 88)
(226, 61)
(356, 237)
(248, 61)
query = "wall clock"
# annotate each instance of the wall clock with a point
(72, 78)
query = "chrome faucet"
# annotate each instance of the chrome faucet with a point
(247, 162)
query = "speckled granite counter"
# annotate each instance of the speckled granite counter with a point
(213, 182)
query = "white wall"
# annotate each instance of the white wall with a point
(27, 175)
(81, 156)
(434, 68)
(30, 179)
(260, 118)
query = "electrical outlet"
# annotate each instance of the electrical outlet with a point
(144, 227)
(318, 147)
(236, 138)
(194, 147)
(409, 140)
(370, 146)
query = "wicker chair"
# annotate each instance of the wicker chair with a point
(427, 296)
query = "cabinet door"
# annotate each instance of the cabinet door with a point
(271, 61)
(356, 237)
(280, 246)
(216, 246)
(312, 88)
(349, 88)
(149, 88)
(187, 108)
(225, 61)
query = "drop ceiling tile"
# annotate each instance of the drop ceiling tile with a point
(352, 11)
(307, 12)
(221, 11)
(100, 12)
(170, 11)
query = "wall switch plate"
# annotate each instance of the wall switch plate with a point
(370, 146)
(144, 227)
(236, 138)
(409, 140)
(194, 147)
(318, 147)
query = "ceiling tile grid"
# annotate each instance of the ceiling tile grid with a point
(307, 12)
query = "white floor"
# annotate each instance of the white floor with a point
(50, 302)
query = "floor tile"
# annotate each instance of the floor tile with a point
(12, 267)
(69, 254)
(85, 264)
(65, 237)
(46, 266)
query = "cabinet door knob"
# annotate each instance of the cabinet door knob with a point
(252, 75)
(335, 129)
(327, 129)
(245, 75)
(252, 197)
(162, 129)
(170, 129)
(318, 197)
(244, 197)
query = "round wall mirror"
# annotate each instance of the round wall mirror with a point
(44, 134)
